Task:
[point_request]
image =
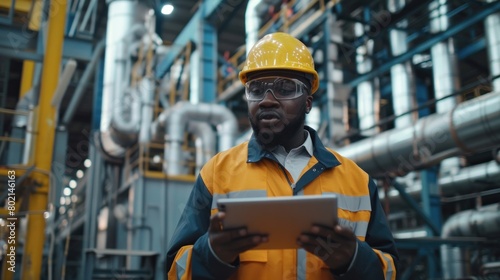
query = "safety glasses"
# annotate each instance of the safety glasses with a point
(281, 88)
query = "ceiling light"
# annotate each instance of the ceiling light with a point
(167, 9)
(67, 191)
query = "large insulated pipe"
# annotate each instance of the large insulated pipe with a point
(121, 106)
(471, 126)
(444, 70)
(146, 90)
(182, 112)
(473, 179)
(492, 31)
(120, 20)
(484, 222)
(366, 89)
(403, 86)
(205, 142)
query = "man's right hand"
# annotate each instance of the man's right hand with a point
(228, 244)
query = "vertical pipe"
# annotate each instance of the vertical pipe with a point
(33, 251)
(445, 71)
(120, 20)
(403, 87)
(492, 31)
(194, 77)
(147, 90)
(366, 89)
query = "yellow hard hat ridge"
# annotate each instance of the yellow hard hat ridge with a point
(280, 51)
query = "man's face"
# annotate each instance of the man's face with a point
(276, 121)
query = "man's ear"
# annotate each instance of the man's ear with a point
(309, 103)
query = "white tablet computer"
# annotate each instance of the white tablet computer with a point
(282, 218)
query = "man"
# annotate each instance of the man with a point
(282, 158)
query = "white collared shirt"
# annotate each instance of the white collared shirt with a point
(296, 160)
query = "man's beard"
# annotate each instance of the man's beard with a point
(269, 138)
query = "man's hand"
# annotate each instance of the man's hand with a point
(334, 245)
(228, 244)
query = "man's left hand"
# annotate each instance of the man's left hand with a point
(334, 245)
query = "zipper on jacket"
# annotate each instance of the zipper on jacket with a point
(290, 183)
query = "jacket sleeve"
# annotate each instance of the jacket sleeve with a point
(188, 255)
(377, 257)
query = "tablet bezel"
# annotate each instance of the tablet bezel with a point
(282, 218)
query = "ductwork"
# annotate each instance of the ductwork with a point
(484, 222)
(180, 114)
(403, 86)
(473, 179)
(365, 90)
(121, 106)
(492, 31)
(205, 141)
(471, 126)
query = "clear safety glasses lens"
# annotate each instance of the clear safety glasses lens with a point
(282, 88)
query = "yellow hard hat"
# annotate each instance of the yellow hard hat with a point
(280, 51)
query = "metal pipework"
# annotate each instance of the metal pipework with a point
(182, 112)
(484, 222)
(205, 142)
(492, 31)
(444, 70)
(403, 85)
(471, 126)
(121, 106)
(366, 89)
(473, 179)
(147, 90)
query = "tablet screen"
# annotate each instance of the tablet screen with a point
(282, 218)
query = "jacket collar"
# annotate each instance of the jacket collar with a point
(325, 157)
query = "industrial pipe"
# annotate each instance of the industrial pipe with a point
(146, 90)
(492, 31)
(205, 142)
(402, 81)
(484, 222)
(182, 112)
(121, 105)
(366, 89)
(444, 72)
(471, 126)
(473, 179)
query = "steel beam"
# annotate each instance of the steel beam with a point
(187, 34)
(208, 59)
(415, 207)
(20, 42)
(33, 250)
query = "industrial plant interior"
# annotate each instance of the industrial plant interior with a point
(109, 109)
